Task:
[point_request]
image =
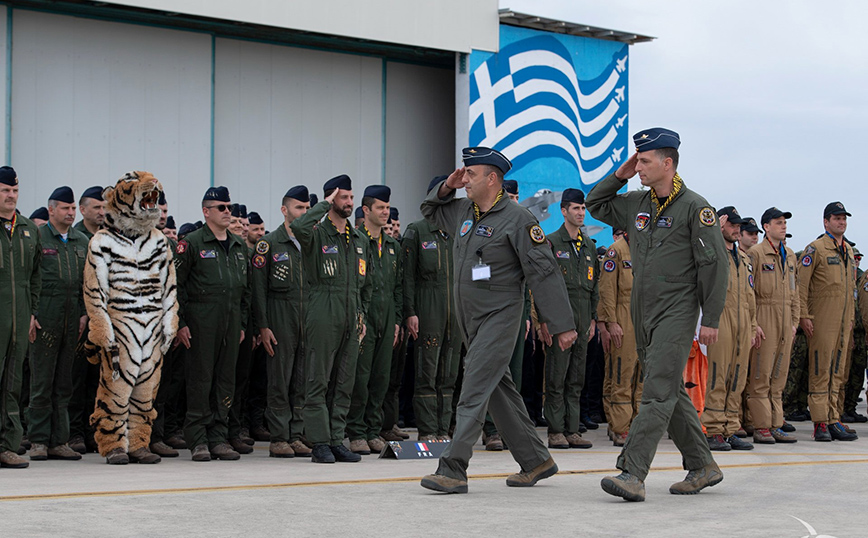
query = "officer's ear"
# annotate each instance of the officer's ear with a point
(283, 209)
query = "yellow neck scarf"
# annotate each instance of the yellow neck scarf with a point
(677, 183)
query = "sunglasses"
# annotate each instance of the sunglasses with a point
(222, 207)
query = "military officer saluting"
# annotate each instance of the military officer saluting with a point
(678, 266)
(827, 290)
(499, 249)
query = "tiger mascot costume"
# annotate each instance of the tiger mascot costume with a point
(130, 297)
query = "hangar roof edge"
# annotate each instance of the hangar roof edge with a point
(524, 20)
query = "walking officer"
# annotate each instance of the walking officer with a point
(827, 290)
(777, 314)
(20, 287)
(214, 298)
(58, 326)
(335, 258)
(499, 249)
(678, 266)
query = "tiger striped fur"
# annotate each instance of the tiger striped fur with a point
(130, 297)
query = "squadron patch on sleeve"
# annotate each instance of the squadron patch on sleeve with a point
(611, 253)
(591, 273)
(810, 250)
(807, 260)
(181, 248)
(262, 247)
(258, 261)
(609, 266)
(536, 234)
(707, 216)
(750, 280)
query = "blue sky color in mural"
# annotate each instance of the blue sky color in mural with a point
(556, 105)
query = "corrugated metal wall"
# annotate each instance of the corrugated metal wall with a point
(92, 99)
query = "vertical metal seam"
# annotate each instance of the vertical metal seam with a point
(213, 113)
(8, 85)
(383, 128)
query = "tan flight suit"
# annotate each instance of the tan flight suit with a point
(777, 312)
(827, 289)
(622, 382)
(728, 357)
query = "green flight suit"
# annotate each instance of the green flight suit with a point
(85, 378)
(243, 369)
(278, 304)
(678, 267)
(53, 352)
(374, 366)
(213, 297)
(20, 286)
(336, 268)
(507, 239)
(565, 370)
(428, 294)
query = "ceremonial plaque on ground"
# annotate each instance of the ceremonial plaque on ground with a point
(414, 450)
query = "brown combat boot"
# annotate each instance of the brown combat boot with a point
(697, 480)
(280, 449)
(376, 445)
(222, 451)
(259, 433)
(76, 442)
(575, 440)
(438, 482)
(63, 452)
(11, 460)
(529, 478)
(625, 485)
(619, 439)
(38, 452)
(557, 440)
(494, 444)
(238, 445)
(400, 432)
(144, 455)
(163, 450)
(117, 457)
(762, 436)
(177, 441)
(201, 453)
(391, 435)
(359, 446)
(300, 448)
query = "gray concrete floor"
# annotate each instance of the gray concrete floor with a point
(823, 484)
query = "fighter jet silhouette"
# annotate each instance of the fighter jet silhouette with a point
(620, 122)
(621, 64)
(539, 203)
(619, 94)
(616, 154)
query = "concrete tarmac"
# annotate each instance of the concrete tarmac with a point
(763, 492)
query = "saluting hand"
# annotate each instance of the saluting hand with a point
(628, 169)
(331, 197)
(268, 340)
(567, 339)
(456, 179)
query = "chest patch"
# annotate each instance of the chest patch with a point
(465, 227)
(768, 267)
(429, 245)
(26, 233)
(262, 247)
(206, 254)
(833, 260)
(329, 249)
(562, 254)
(280, 256)
(359, 250)
(628, 264)
(609, 266)
(258, 261)
(590, 273)
(49, 252)
(642, 220)
(664, 222)
(363, 267)
(484, 231)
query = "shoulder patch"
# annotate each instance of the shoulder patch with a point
(750, 280)
(609, 266)
(707, 216)
(259, 261)
(182, 247)
(611, 253)
(807, 260)
(262, 247)
(536, 234)
(810, 250)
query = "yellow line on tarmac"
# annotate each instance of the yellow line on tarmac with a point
(212, 489)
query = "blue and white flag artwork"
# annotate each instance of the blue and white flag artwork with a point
(528, 102)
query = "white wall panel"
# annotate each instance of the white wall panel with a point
(420, 132)
(4, 70)
(94, 99)
(286, 116)
(456, 25)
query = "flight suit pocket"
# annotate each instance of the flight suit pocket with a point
(542, 264)
(703, 252)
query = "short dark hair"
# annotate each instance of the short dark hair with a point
(670, 153)
(368, 201)
(489, 168)
(567, 204)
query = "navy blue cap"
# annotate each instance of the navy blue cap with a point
(342, 181)
(162, 199)
(170, 222)
(63, 194)
(656, 138)
(574, 196)
(435, 181)
(93, 192)
(186, 228)
(300, 193)
(359, 213)
(240, 211)
(8, 176)
(731, 213)
(510, 186)
(217, 194)
(483, 155)
(835, 208)
(773, 213)
(313, 199)
(749, 225)
(380, 192)
(41, 213)
(254, 218)
(393, 213)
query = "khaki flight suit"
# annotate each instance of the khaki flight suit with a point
(777, 312)
(728, 357)
(827, 291)
(622, 384)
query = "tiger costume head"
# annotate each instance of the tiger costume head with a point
(131, 205)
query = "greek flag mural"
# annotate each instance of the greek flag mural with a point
(556, 105)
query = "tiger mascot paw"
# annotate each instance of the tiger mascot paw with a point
(133, 312)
